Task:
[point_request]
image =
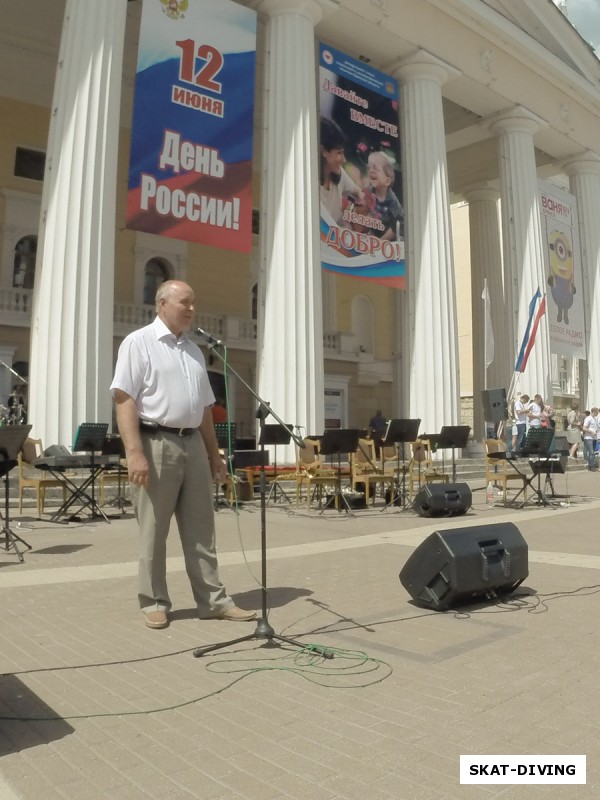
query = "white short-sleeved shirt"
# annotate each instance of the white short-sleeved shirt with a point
(520, 411)
(535, 408)
(591, 423)
(166, 376)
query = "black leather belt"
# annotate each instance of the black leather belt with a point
(153, 427)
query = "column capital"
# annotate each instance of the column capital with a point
(584, 163)
(422, 64)
(515, 120)
(314, 10)
(474, 194)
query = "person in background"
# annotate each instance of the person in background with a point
(590, 435)
(535, 412)
(520, 414)
(219, 411)
(386, 207)
(573, 430)
(377, 429)
(335, 182)
(163, 399)
(16, 407)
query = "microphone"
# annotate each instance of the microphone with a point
(211, 339)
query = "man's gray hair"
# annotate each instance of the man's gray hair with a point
(163, 292)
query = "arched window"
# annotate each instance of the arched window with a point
(156, 271)
(24, 263)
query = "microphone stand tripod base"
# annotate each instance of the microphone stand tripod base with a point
(263, 630)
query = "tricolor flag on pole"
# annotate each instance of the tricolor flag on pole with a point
(488, 331)
(531, 330)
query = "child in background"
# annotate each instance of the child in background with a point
(386, 206)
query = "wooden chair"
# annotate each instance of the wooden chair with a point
(501, 472)
(365, 471)
(311, 472)
(32, 478)
(421, 469)
(393, 464)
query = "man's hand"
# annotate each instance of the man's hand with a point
(137, 468)
(218, 469)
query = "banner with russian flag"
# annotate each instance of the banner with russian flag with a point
(190, 173)
(537, 309)
(362, 217)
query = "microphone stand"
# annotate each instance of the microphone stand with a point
(263, 628)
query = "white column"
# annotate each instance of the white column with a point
(430, 340)
(584, 174)
(486, 266)
(523, 249)
(290, 335)
(72, 319)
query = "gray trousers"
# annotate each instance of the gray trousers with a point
(180, 484)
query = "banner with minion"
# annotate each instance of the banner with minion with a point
(362, 218)
(190, 172)
(566, 322)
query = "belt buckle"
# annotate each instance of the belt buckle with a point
(180, 432)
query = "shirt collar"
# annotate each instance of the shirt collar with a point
(162, 331)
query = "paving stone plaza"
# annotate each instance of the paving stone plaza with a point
(95, 705)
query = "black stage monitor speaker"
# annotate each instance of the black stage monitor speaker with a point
(466, 564)
(442, 500)
(495, 407)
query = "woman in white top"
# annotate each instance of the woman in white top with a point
(574, 430)
(535, 411)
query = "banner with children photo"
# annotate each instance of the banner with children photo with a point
(362, 216)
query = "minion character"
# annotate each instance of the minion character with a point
(560, 279)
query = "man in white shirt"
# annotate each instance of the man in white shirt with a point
(590, 434)
(520, 413)
(163, 399)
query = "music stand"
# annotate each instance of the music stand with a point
(453, 436)
(113, 446)
(225, 433)
(434, 440)
(538, 442)
(336, 441)
(400, 431)
(554, 465)
(90, 438)
(276, 434)
(12, 438)
(244, 460)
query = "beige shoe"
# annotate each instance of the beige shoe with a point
(234, 614)
(156, 619)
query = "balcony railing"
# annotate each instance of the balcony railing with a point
(238, 332)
